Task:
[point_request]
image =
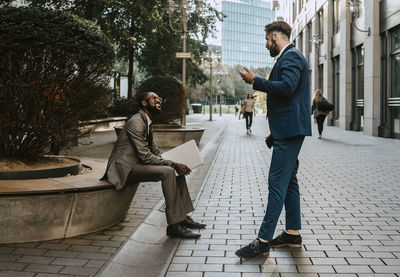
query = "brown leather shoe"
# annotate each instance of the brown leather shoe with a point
(190, 223)
(177, 230)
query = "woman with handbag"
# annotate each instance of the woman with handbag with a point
(249, 109)
(319, 110)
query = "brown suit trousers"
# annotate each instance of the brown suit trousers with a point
(175, 190)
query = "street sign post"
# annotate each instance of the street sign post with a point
(183, 55)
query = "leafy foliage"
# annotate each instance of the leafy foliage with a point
(172, 92)
(142, 26)
(124, 107)
(54, 69)
(230, 83)
(167, 87)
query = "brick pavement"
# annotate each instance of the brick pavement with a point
(86, 255)
(350, 208)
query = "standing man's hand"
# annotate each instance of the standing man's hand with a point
(181, 169)
(248, 76)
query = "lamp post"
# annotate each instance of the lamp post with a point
(354, 7)
(183, 5)
(210, 57)
(220, 74)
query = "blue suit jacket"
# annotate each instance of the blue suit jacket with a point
(288, 95)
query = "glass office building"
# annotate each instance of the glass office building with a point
(243, 35)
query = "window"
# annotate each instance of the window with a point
(309, 42)
(336, 83)
(321, 25)
(300, 42)
(320, 76)
(357, 122)
(395, 81)
(294, 11)
(336, 15)
(395, 63)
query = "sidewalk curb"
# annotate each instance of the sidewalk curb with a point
(165, 269)
(148, 252)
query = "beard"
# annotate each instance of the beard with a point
(273, 50)
(154, 110)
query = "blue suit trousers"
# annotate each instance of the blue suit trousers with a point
(283, 187)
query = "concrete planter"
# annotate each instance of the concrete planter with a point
(55, 208)
(168, 136)
(74, 169)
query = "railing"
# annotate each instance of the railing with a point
(394, 102)
(360, 102)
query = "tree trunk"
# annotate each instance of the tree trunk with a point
(130, 60)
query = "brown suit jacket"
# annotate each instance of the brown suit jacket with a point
(132, 147)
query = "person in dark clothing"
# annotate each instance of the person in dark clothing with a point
(319, 115)
(288, 111)
(250, 110)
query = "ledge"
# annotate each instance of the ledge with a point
(168, 138)
(54, 208)
(102, 124)
(171, 137)
(84, 182)
(55, 172)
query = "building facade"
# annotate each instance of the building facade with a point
(243, 36)
(353, 49)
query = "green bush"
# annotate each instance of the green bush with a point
(54, 71)
(124, 107)
(173, 94)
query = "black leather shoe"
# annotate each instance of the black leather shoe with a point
(286, 239)
(190, 223)
(255, 249)
(179, 231)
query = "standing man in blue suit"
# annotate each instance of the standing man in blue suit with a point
(288, 112)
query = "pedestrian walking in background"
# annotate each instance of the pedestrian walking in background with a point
(248, 114)
(319, 115)
(288, 112)
(236, 108)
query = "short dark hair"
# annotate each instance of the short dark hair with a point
(279, 26)
(144, 95)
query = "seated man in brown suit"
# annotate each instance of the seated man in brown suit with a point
(136, 158)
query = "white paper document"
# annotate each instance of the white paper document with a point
(186, 153)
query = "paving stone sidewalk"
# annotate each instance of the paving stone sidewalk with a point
(350, 191)
(86, 255)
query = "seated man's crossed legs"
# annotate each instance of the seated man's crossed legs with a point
(177, 198)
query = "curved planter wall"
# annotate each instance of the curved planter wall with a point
(167, 138)
(74, 169)
(46, 209)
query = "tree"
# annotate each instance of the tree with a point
(54, 70)
(157, 56)
(124, 22)
(230, 83)
(140, 29)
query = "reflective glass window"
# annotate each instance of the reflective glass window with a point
(396, 39)
(395, 75)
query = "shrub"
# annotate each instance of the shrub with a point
(124, 107)
(172, 92)
(54, 69)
